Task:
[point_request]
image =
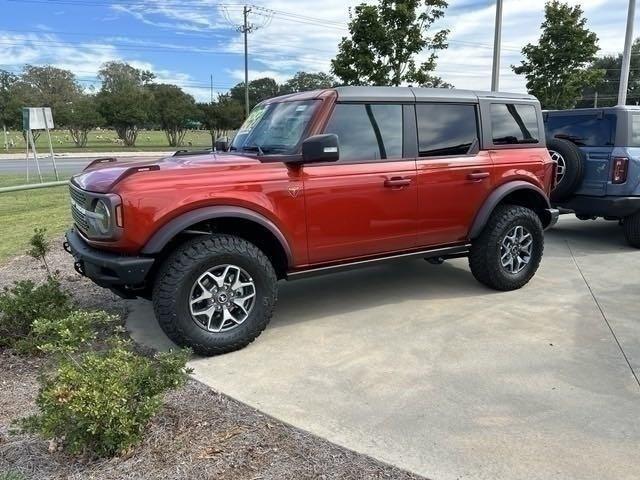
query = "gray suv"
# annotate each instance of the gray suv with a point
(598, 155)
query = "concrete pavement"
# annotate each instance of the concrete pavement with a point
(422, 367)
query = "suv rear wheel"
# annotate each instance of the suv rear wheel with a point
(215, 294)
(632, 229)
(508, 251)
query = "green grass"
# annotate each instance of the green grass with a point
(104, 141)
(22, 212)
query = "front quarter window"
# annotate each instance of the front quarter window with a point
(275, 128)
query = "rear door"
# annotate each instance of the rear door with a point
(364, 204)
(594, 133)
(454, 177)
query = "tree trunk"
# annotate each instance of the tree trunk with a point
(128, 135)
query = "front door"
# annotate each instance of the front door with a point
(364, 204)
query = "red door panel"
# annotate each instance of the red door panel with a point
(450, 192)
(360, 209)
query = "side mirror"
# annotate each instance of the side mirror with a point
(321, 148)
(222, 144)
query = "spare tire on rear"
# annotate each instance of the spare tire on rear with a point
(570, 167)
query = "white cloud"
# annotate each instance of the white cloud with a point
(284, 44)
(84, 60)
(288, 44)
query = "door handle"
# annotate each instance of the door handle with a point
(477, 176)
(397, 182)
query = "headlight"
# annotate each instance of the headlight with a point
(102, 218)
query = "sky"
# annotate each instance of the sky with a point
(186, 41)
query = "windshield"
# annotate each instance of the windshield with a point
(274, 127)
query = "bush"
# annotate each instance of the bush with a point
(25, 303)
(71, 333)
(100, 403)
(11, 475)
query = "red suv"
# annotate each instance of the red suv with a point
(315, 183)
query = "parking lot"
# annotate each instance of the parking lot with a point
(422, 367)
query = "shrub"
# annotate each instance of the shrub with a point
(40, 247)
(71, 333)
(100, 403)
(24, 303)
(11, 475)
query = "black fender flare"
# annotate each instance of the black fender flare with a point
(492, 201)
(169, 230)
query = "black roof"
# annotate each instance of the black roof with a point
(404, 94)
(421, 94)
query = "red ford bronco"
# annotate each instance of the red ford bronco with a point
(313, 183)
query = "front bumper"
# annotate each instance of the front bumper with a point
(607, 206)
(121, 273)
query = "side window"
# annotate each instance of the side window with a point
(367, 132)
(585, 130)
(514, 123)
(445, 129)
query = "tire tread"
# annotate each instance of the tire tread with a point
(179, 263)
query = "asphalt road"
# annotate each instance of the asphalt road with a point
(66, 166)
(422, 367)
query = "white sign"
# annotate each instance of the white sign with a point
(35, 118)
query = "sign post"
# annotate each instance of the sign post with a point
(46, 127)
(38, 119)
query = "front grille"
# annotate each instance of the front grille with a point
(80, 198)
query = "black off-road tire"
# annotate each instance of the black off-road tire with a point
(484, 258)
(631, 227)
(180, 271)
(574, 168)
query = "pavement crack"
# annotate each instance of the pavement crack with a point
(604, 317)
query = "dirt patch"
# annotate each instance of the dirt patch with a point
(86, 294)
(199, 433)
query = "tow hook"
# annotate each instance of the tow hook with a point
(66, 247)
(79, 267)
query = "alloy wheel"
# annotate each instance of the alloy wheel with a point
(515, 249)
(561, 165)
(222, 298)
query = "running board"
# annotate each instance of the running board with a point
(444, 253)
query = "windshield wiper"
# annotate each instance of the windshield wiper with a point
(253, 148)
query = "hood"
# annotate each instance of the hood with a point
(102, 175)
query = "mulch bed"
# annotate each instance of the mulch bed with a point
(198, 434)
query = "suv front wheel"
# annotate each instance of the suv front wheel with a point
(215, 294)
(508, 251)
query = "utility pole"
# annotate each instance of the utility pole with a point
(211, 76)
(595, 99)
(626, 56)
(495, 73)
(245, 29)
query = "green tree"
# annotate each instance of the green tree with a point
(608, 88)
(223, 115)
(306, 81)
(49, 86)
(385, 40)
(259, 89)
(173, 110)
(560, 67)
(8, 113)
(80, 116)
(124, 101)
